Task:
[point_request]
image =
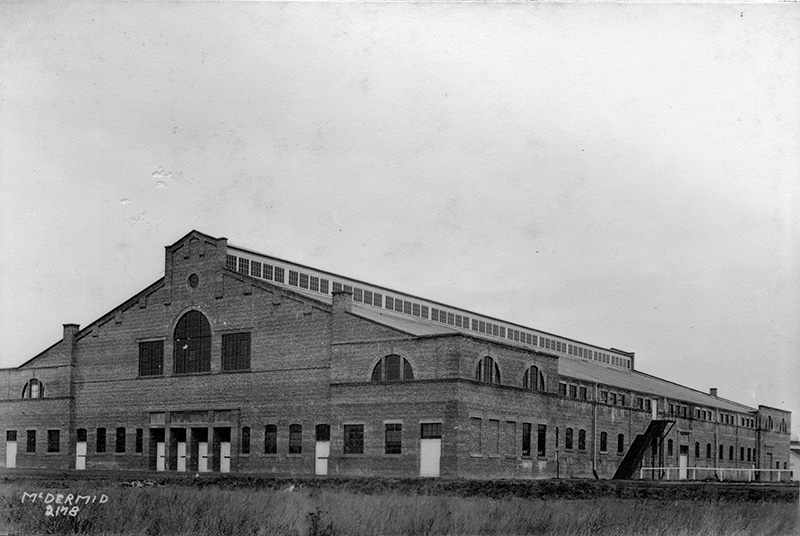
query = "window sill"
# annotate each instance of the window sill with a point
(396, 456)
(294, 455)
(119, 454)
(353, 455)
(205, 373)
(235, 371)
(150, 376)
(243, 455)
(476, 455)
(52, 453)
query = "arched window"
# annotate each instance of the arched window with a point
(392, 368)
(708, 451)
(697, 450)
(487, 371)
(603, 441)
(581, 439)
(568, 438)
(534, 379)
(33, 389)
(721, 452)
(620, 443)
(192, 343)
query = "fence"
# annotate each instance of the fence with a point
(715, 473)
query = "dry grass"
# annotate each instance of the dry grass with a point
(179, 510)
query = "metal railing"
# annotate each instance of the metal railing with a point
(716, 473)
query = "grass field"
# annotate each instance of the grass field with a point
(181, 509)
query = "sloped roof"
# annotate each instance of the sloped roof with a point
(404, 323)
(643, 383)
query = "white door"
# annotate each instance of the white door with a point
(202, 457)
(323, 449)
(160, 456)
(225, 457)
(80, 455)
(654, 410)
(683, 463)
(11, 454)
(181, 456)
(430, 452)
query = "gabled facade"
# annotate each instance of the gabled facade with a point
(237, 361)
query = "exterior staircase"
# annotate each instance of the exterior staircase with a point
(637, 449)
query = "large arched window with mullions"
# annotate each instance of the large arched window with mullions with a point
(534, 379)
(487, 371)
(192, 344)
(392, 368)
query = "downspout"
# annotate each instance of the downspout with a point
(594, 432)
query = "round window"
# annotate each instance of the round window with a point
(193, 280)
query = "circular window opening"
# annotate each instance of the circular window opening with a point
(193, 280)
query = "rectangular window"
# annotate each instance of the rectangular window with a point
(337, 287)
(526, 439)
(541, 443)
(270, 439)
(430, 430)
(31, 447)
(604, 397)
(53, 440)
(293, 279)
(415, 310)
(621, 400)
(303, 280)
(398, 305)
(268, 271)
(279, 274)
(11, 435)
(139, 440)
(620, 443)
(295, 439)
(390, 303)
(120, 444)
(230, 262)
(493, 437)
(314, 283)
(562, 389)
(151, 358)
(423, 311)
(323, 286)
(510, 439)
(236, 351)
(568, 439)
(613, 399)
(573, 391)
(244, 266)
(368, 297)
(354, 439)
(255, 269)
(101, 440)
(475, 436)
(245, 440)
(394, 439)
(584, 393)
(581, 439)
(407, 307)
(377, 299)
(358, 294)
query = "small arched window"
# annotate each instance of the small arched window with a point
(33, 389)
(392, 368)
(487, 371)
(534, 379)
(603, 441)
(697, 450)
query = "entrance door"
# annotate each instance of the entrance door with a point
(202, 457)
(11, 449)
(161, 454)
(683, 462)
(430, 449)
(322, 449)
(225, 457)
(181, 456)
(80, 455)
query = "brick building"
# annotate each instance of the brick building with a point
(238, 361)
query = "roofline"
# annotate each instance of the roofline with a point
(692, 389)
(414, 296)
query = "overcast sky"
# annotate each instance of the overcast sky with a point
(625, 175)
